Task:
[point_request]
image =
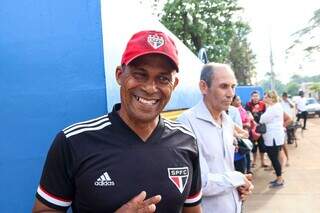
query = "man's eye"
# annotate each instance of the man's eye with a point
(224, 86)
(164, 80)
(139, 76)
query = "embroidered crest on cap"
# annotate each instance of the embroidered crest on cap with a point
(179, 176)
(155, 41)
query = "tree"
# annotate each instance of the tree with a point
(292, 88)
(307, 38)
(278, 86)
(202, 23)
(212, 24)
(299, 79)
(316, 88)
(241, 56)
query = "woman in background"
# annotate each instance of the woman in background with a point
(274, 137)
(246, 125)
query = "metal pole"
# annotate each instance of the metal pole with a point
(272, 74)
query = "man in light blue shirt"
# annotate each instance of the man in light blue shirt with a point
(223, 188)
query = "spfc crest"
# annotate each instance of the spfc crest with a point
(179, 176)
(155, 41)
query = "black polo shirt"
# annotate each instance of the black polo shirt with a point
(100, 164)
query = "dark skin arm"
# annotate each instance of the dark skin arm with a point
(193, 209)
(41, 208)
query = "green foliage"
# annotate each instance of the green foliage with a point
(315, 87)
(202, 23)
(308, 35)
(292, 88)
(278, 86)
(241, 56)
(296, 80)
(211, 24)
(299, 79)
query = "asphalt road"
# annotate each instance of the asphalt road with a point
(301, 192)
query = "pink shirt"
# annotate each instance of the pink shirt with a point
(243, 115)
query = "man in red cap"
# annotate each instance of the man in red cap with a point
(130, 160)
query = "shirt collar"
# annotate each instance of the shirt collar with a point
(123, 128)
(203, 113)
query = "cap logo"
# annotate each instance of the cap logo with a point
(155, 41)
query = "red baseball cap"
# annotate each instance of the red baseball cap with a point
(147, 42)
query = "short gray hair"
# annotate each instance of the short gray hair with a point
(206, 74)
(208, 70)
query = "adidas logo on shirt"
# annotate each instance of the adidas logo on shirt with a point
(104, 180)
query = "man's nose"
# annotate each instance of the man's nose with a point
(150, 86)
(230, 92)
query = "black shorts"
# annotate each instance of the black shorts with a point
(259, 145)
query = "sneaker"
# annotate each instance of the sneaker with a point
(273, 181)
(276, 184)
(268, 168)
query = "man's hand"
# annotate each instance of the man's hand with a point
(249, 177)
(246, 189)
(138, 204)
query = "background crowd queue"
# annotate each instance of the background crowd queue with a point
(271, 123)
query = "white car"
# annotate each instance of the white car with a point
(313, 107)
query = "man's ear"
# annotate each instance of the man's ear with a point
(119, 72)
(176, 82)
(203, 87)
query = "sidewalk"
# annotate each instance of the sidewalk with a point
(301, 192)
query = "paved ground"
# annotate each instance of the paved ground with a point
(301, 192)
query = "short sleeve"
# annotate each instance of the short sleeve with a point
(195, 194)
(56, 188)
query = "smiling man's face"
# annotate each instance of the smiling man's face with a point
(146, 86)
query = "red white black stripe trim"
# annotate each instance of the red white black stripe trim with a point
(194, 198)
(178, 126)
(53, 199)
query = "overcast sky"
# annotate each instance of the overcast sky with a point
(275, 21)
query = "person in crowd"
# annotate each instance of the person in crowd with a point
(289, 109)
(235, 116)
(236, 102)
(111, 163)
(239, 156)
(274, 136)
(246, 125)
(284, 153)
(287, 105)
(257, 107)
(301, 103)
(223, 188)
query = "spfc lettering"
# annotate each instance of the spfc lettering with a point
(179, 176)
(155, 41)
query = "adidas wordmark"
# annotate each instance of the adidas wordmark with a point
(104, 180)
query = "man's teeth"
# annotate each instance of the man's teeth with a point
(145, 101)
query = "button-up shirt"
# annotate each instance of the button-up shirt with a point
(219, 179)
